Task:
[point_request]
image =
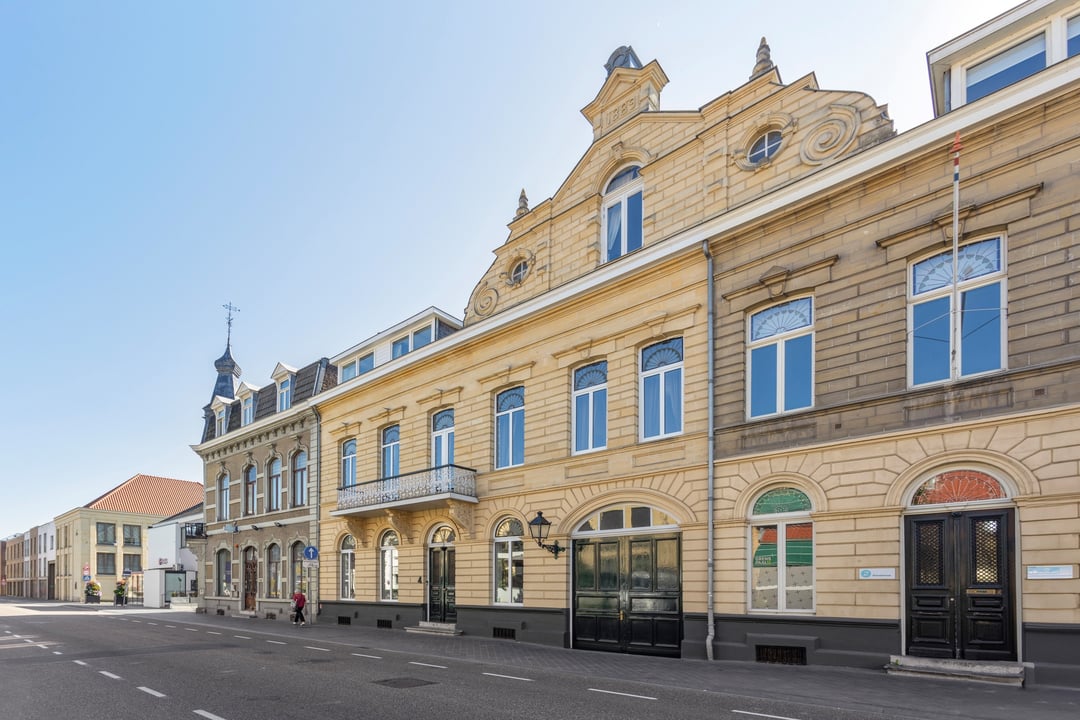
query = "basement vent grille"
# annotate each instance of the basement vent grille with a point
(503, 633)
(344, 620)
(388, 624)
(781, 654)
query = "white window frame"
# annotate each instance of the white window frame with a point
(390, 452)
(589, 394)
(388, 558)
(442, 440)
(662, 373)
(781, 521)
(248, 415)
(780, 338)
(514, 547)
(223, 498)
(347, 567)
(515, 418)
(348, 463)
(620, 197)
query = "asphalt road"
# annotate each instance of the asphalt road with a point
(70, 663)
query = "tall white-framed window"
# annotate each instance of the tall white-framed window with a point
(948, 341)
(219, 422)
(273, 484)
(661, 389)
(299, 479)
(285, 394)
(223, 497)
(590, 407)
(348, 463)
(250, 488)
(390, 446)
(273, 571)
(781, 552)
(248, 410)
(508, 549)
(388, 566)
(622, 213)
(223, 574)
(510, 428)
(780, 358)
(348, 566)
(442, 438)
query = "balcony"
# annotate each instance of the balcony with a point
(194, 531)
(431, 488)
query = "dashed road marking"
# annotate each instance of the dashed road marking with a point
(509, 677)
(208, 715)
(773, 717)
(277, 642)
(312, 647)
(79, 662)
(242, 637)
(108, 674)
(148, 691)
(612, 692)
(212, 632)
(373, 657)
(441, 667)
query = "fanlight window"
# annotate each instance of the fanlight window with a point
(624, 517)
(958, 486)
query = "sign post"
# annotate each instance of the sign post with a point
(311, 560)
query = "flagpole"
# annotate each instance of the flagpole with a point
(957, 316)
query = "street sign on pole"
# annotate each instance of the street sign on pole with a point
(311, 553)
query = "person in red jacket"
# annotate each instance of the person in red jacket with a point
(298, 601)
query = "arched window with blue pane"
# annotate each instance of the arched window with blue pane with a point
(348, 463)
(391, 451)
(949, 342)
(622, 213)
(662, 389)
(510, 428)
(781, 358)
(442, 438)
(590, 407)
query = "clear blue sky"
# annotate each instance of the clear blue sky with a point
(330, 168)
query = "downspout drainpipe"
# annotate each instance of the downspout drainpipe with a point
(710, 355)
(318, 509)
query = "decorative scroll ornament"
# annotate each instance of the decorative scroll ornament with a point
(830, 137)
(485, 302)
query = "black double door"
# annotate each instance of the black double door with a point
(442, 593)
(628, 595)
(960, 596)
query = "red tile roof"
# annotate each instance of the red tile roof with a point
(150, 495)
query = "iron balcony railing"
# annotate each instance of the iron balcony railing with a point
(442, 480)
(194, 530)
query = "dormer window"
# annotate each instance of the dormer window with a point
(407, 344)
(220, 422)
(622, 214)
(284, 395)
(359, 366)
(248, 415)
(1005, 68)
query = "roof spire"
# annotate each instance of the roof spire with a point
(226, 367)
(625, 57)
(764, 60)
(523, 204)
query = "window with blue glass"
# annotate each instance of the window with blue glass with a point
(1072, 32)
(661, 389)
(622, 214)
(1006, 68)
(250, 489)
(950, 342)
(510, 428)
(285, 394)
(400, 347)
(781, 358)
(442, 438)
(764, 147)
(590, 407)
(391, 450)
(348, 463)
(421, 337)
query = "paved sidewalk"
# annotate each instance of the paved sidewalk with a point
(870, 692)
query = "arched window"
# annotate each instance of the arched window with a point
(590, 407)
(348, 463)
(661, 389)
(509, 563)
(510, 428)
(958, 486)
(391, 451)
(273, 571)
(780, 358)
(223, 497)
(442, 438)
(296, 567)
(299, 479)
(250, 486)
(223, 574)
(781, 552)
(622, 214)
(273, 485)
(348, 565)
(388, 566)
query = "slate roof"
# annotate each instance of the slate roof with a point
(150, 495)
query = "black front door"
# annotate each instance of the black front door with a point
(441, 592)
(628, 595)
(960, 585)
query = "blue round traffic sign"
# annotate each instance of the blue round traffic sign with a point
(311, 552)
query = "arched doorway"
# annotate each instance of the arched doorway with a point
(627, 593)
(959, 561)
(442, 601)
(251, 577)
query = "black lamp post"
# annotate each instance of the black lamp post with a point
(539, 529)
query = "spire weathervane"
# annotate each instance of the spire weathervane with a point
(228, 322)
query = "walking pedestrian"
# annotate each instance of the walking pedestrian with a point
(298, 603)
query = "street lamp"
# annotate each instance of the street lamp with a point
(539, 529)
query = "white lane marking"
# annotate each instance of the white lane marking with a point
(138, 621)
(312, 647)
(57, 652)
(109, 675)
(373, 657)
(509, 677)
(151, 623)
(774, 717)
(171, 626)
(212, 632)
(25, 640)
(242, 637)
(148, 691)
(441, 667)
(207, 715)
(192, 629)
(277, 642)
(43, 647)
(612, 692)
(79, 662)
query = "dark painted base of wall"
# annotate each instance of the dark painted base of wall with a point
(1052, 650)
(826, 641)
